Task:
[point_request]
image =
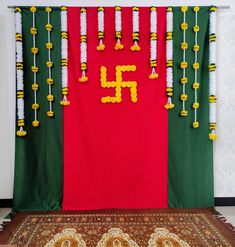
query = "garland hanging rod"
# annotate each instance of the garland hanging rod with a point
(219, 7)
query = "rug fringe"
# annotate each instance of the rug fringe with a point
(6, 220)
(224, 220)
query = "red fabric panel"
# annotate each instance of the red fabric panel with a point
(115, 155)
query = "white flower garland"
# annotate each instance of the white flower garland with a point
(101, 45)
(153, 42)
(83, 44)
(169, 57)
(212, 74)
(184, 64)
(19, 73)
(196, 67)
(49, 63)
(135, 31)
(64, 55)
(118, 28)
(34, 68)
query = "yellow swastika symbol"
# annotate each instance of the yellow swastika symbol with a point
(118, 84)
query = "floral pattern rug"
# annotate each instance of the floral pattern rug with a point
(120, 228)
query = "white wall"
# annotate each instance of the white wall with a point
(224, 158)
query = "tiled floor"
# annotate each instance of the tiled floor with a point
(228, 212)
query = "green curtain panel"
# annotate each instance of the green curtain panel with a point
(190, 152)
(39, 156)
(39, 161)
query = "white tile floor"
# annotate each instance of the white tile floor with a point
(227, 212)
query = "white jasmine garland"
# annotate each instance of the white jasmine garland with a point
(83, 44)
(19, 73)
(100, 46)
(212, 73)
(135, 29)
(64, 55)
(153, 42)
(169, 58)
(118, 28)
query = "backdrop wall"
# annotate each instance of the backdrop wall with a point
(224, 158)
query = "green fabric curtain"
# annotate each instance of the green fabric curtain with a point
(190, 180)
(39, 157)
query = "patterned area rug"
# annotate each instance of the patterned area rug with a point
(119, 228)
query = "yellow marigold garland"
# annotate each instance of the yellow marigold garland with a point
(34, 68)
(49, 63)
(19, 74)
(184, 64)
(196, 84)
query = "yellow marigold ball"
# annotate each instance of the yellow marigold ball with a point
(184, 45)
(196, 47)
(184, 8)
(196, 29)
(35, 86)
(195, 124)
(195, 105)
(48, 27)
(34, 50)
(21, 133)
(213, 136)
(183, 65)
(50, 97)
(49, 45)
(184, 26)
(50, 113)
(34, 69)
(35, 123)
(183, 97)
(35, 106)
(50, 81)
(33, 30)
(48, 9)
(33, 9)
(196, 85)
(196, 65)
(49, 64)
(196, 8)
(184, 80)
(184, 113)
(63, 8)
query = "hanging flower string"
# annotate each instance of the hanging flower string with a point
(184, 64)
(34, 68)
(169, 57)
(118, 28)
(64, 55)
(49, 63)
(196, 84)
(153, 42)
(83, 44)
(212, 74)
(101, 45)
(135, 33)
(19, 74)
